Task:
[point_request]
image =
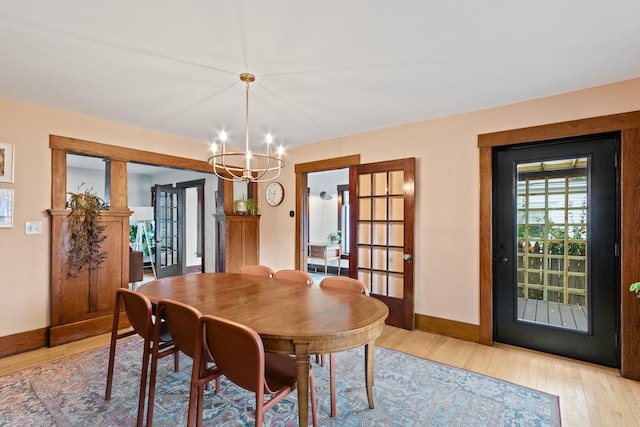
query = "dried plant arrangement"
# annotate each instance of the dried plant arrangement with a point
(85, 232)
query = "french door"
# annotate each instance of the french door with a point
(169, 232)
(556, 244)
(381, 197)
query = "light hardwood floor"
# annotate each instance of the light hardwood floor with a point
(590, 395)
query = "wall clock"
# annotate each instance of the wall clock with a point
(274, 194)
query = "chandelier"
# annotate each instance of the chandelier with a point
(246, 166)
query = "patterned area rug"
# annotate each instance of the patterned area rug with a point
(408, 391)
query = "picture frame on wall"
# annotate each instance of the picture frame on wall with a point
(6, 208)
(6, 162)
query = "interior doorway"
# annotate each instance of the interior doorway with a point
(328, 222)
(381, 228)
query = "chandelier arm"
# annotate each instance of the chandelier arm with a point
(266, 169)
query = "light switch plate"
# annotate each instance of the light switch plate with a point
(33, 228)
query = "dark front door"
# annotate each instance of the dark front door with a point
(556, 243)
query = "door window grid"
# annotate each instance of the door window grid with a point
(552, 238)
(380, 232)
(168, 223)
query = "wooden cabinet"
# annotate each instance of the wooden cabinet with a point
(238, 241)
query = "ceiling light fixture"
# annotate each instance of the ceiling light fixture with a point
(267, 166)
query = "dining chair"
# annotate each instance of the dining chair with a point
(347, 284)
(140, 313)
(182, 323)
(239, 354)
(258, 270)
(294, 275)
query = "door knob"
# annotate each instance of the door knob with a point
(504, 259)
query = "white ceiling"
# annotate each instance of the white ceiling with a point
(323, 69)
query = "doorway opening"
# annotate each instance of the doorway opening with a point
(328, 223)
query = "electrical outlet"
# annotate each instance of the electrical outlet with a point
(33, 228)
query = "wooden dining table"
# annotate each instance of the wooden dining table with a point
(290, 317)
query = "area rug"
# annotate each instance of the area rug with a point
(409, 391)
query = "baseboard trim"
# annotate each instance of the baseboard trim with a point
(24, 341)
(84, 329)
(449, 328)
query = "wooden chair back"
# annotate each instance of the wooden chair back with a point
(182, 322)
(346, 283)
(294, 275)
(258, 270)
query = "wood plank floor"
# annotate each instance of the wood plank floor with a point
(568, 316)
(590, 395)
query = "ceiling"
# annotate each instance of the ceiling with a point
(323, 69)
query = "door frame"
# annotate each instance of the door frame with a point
(302, 170)
(629, 126)
(199, 185)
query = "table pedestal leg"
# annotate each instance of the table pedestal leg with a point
(302, 363)
(368, 368)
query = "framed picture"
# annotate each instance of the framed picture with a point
(6, 208)
(6, 162)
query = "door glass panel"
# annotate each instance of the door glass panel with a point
(396, 183)
(395, 285)
(379, 234)
(364, 257)
(379, 184)
(396, 262)
(364, 233)
(378, 283)
(364, 210)
(552, 243)
(364, 185)
(380, 209)
(396, 234)
(396, 208)
(379, 259)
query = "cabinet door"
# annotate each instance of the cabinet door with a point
(242, 236)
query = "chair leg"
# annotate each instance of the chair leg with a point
(112, 356)
(332, 383)
(112, 348)
(143, 383)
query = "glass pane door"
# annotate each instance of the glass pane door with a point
(552, 243)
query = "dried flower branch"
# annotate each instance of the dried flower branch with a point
(85, 232)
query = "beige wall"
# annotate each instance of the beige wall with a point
(447, 192)
(447, 189)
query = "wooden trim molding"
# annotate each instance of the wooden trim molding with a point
(301, 170)
(630, 254)
(23, 341)
(448, 328)
(328, 164)
(113, 152)
(486, 251)
(629, 126)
